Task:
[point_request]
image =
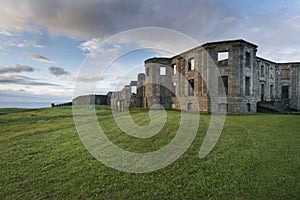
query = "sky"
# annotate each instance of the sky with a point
(44, 44)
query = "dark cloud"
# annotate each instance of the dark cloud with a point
(91, 18)
(17, 69)
(40, 57)
(23, 80)
(57, 71)
(265, 23)
(83, 19)
(86, 19)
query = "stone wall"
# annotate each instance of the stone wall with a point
(189, 82)
(205, 78)
(90, 100)
(140, 90)
(158, 83)
(274, 78)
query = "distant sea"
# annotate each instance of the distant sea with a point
(24, 104)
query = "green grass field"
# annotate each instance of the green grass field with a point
(257, 157)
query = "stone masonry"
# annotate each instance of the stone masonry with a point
(189, 82)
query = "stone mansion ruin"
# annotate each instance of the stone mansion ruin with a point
(182, 82)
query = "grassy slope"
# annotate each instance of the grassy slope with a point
(257, 157)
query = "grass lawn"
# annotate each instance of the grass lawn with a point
(41, 156)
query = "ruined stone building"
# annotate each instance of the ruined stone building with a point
(90, 99)
(243, 84)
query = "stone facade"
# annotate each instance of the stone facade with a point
(92, 99)
(224, 76)
(279, 82)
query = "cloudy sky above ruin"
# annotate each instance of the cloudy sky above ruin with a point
(44, 43)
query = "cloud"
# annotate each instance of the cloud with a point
(57, 71)
(80, 19)
(23, 80)
(23, 43)
(92, 48)
(203, 20)
(91, 18)
(17, 69)
(40, 57)
(6, 32)
(119, 81)
(89, 78)
(90, 45)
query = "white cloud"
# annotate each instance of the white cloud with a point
(107, 48)
(23, 43)
(90, 45)
(6, 32)
(89, 78)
